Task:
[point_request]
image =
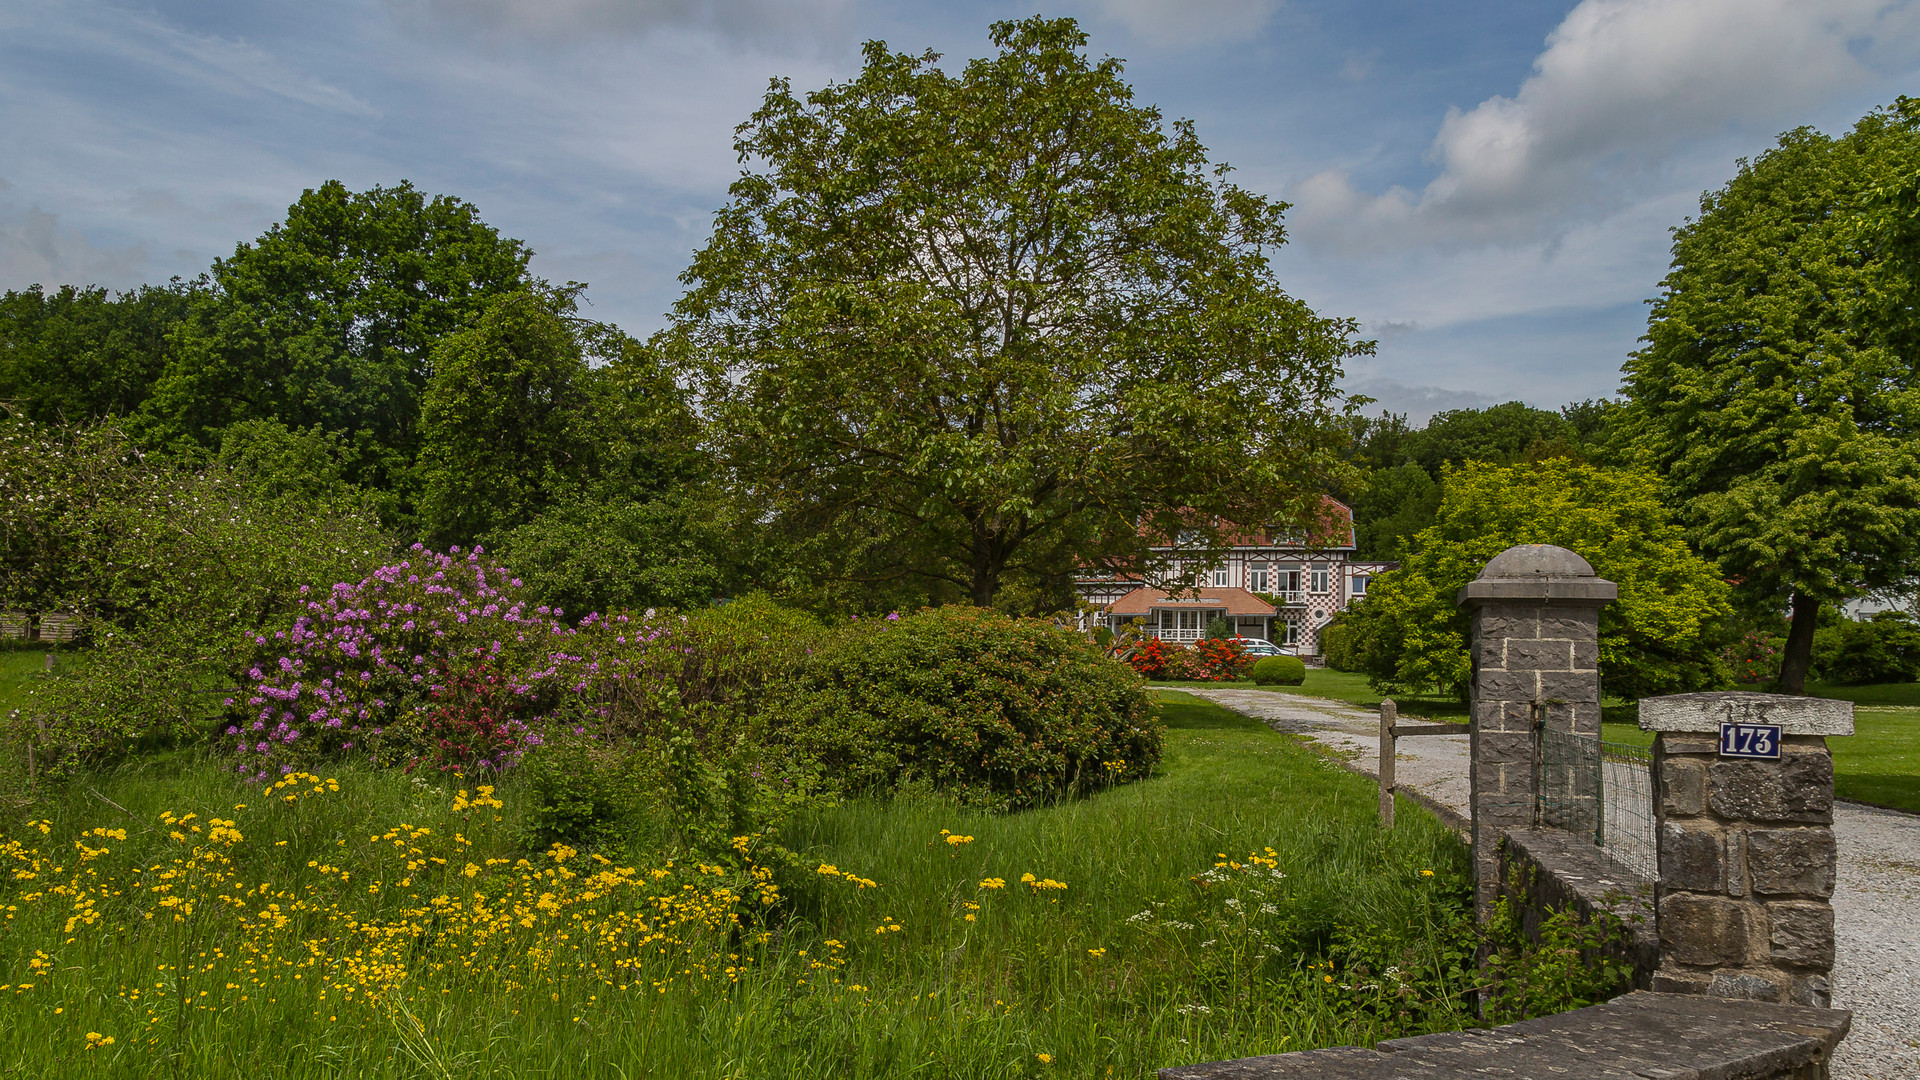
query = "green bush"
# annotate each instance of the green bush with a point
(1000, 712)
(1280, 671)
(1337, 645)
(1882, 648)
(575, 791)
(1220, 629)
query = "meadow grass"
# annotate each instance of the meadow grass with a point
(19, 669)
(1878, 764)
(371, 924)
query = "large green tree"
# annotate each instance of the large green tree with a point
(1661, 636)
(972, 329)
(329, 320)
(1771, 393)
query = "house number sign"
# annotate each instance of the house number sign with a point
(1749, 740)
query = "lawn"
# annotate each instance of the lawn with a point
(1349, 687)
(1242, 901)
(18, 668)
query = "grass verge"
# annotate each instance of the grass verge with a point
(1243, 901)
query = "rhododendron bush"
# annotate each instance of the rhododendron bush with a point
(436, 659)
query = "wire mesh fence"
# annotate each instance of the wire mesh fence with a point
(1598, 789)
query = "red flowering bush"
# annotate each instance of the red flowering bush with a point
(1155, 659)
(474, 717)
(1218, 660)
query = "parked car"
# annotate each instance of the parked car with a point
(1254, 646)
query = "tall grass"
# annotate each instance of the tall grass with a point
(1241, 902)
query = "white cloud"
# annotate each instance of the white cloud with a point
(1187, 22)
(1620, 85)
(35, 247)
(569, 20)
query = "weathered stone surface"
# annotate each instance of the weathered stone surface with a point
(1572, 623)
(1798, 787)
(1641, 1036)
(1563, 872)
(1575, 686)
(1801, 933)
(1745, 986)
(1704, 931)
(1795, 862)
(1498, 622)
(1683, 786)
(1812, 991)
(1677, 981)
(1692, 859)
(1498, 747)
(1586, 654)
(1506, 685)
(1540, 655)
(1705, 712)
(1708, 745)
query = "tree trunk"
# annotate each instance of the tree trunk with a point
(1798, 657)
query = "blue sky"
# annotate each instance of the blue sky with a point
(1487, 185)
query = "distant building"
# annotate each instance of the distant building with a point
(1278, 588)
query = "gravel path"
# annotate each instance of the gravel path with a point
(1876, 970)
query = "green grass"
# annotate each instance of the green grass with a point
(1139, 962)
(19, 668)
(1871, 694)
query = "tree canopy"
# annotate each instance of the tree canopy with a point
(1770, 393)
(78, 355)
(329, 319)
(979, 328)
(1659, 637)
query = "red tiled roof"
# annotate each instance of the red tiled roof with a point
(1225, 601)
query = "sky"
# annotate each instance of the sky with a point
(1487, 185)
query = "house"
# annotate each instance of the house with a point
(1275, 586)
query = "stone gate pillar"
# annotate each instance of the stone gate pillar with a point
(1535, 646)
(1747, 855)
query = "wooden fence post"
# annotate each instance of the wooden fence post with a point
(1389, 712)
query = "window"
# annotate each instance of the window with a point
(1222, 577)
(1286, 582)
(1287, 632)
(1359, 584)
(1317, 581)
(1257, 578)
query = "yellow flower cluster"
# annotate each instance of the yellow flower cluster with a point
(1041, 883)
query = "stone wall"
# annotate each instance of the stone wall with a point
(1669, 1036)
(1558, 871)
(1747, 853)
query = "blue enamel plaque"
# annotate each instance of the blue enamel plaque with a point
(1750, 740)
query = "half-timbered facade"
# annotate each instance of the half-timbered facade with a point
(1279, 588)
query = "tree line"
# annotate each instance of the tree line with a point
(959, 332)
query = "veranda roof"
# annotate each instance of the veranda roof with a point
(1225, 601)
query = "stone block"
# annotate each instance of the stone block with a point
(1496, 622)
(1688, 744)
(1683, 787)
(1586, 655)
(1551, 654)
(1500, 747)
(1791, 862)
(1679, 982)
(1579, 687)
(1506, 685)
(1800, 933)
(1747, 986)
(1692, 859)
(1798, 787)
(1812, 991)
(1570, 623)
(1706, 711)
(1704, 931)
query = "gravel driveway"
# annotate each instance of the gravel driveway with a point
(1876, 902)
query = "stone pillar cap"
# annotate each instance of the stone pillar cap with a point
(1704, 712)
(1542, 573)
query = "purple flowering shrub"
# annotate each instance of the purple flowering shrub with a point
(360, 668)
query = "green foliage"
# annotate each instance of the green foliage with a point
(329, 320)
(507, 421)
(1391, 505)
(1774, 395)
(1663, 635)
(1220, 629)
(588, 553)
(1882, 648)
(956, 329)
(1564, 963)
(79, 356)
(1499, 435)
(1279, 671)
(576, 792)
(1337, 645)
(1000, 712)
